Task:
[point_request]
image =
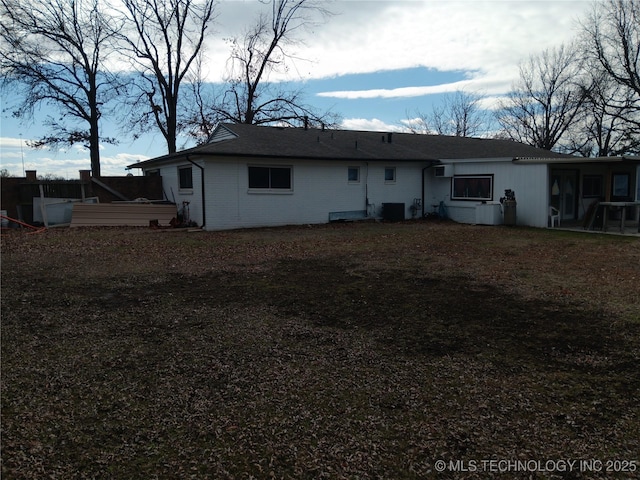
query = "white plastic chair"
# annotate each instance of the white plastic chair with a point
(554, 215)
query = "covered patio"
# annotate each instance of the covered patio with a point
(600, 194)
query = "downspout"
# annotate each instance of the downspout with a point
(204, 217)
(424, 183)
(366, 191)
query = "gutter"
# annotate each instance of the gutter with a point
(204, 217)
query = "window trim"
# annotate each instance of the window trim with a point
(185, 189)
(357, 169)
(488, 176)
(270, 189)
(614, 191)
(395, 175)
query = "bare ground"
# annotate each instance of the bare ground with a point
(340, 351)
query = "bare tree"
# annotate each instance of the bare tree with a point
(611, 122)
(460, 115)
(612, 38)
(611, 41)
(547, 100)
(53, 53)
(419, 123)
(163, 40)
(251, 97)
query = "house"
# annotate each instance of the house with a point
(252, 176)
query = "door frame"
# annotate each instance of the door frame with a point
(565, 201)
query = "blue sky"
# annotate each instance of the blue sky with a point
(374, 62)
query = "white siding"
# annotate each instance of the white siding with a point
(529, 182)
(319, 187)
(173, 192)
(322, 187)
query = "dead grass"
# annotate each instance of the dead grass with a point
(339, 351)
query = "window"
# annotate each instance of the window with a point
(185, 178)
(270, 178)
(472, 187)
(592, 186)
(389, 174)
(353, 174)
(621, 187)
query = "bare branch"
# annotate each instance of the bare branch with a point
(53, 53)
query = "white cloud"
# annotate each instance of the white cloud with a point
(9, 142)
(373, 124)
(445, 35)
(63, 163)
(399, 92)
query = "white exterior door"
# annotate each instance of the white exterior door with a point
(564, 192)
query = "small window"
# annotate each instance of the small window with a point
(270, 178)
(621, 186)
(185, 178)
(592, 186)
(472, 187)
(354, 174)
(390, 174)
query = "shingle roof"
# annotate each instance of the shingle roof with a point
(259, 141)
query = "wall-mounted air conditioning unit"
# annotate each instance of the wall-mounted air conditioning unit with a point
(443, 171)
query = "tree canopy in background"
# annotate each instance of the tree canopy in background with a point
(54, 52)
(162, 39)
(248, 95)
(585, 100)
(140, 63)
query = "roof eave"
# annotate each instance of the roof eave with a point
(555, 160)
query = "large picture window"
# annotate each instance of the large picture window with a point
(270, 178)
(472, 187)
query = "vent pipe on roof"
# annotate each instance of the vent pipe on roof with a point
(389, 137)
(306, 122)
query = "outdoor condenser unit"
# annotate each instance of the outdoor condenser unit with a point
(443, 171)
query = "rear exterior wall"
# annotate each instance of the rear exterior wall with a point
(529, 182)
(318, 188)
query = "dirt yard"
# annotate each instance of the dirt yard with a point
(392, 351)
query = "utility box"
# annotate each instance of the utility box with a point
(509, 212)
(393, 212)
(443, 171)
(488, 214)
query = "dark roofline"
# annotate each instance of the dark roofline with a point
(198, 156)
(259, 142)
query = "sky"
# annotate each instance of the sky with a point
(376, 63)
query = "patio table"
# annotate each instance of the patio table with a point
(623, 215)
